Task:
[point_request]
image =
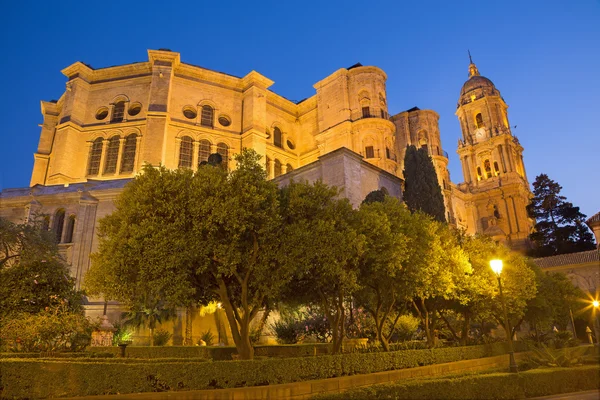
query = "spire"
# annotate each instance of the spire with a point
(473, 71)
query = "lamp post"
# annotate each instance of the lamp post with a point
(497, 268)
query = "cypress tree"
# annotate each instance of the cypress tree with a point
(421, 188)
(560, 226)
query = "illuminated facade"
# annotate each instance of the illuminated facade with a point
(111, 121)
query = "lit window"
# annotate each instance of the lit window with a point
(57, 224)
(488, 168)
(207, 116)
(277, 137)
(223, 150)
(95, 156)
(70, 229)
(496, 168)
(204, 151)
(118, 112)
(128, 160)
(478, 173)
(186, 148)
(277, 169)
(112, 153)
(369, 152)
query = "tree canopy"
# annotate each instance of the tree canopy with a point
(421, 187)
(560, 226)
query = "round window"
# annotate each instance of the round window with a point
(291, 145)
(134, 109)
(224, 120)
(189, 113)
(101, 113)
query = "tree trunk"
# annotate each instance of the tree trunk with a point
(239, 325)
(188, 326)
(465, 330)
(151, 336)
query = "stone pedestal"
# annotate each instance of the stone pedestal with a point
(105, 333)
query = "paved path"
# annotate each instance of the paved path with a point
(587, 395)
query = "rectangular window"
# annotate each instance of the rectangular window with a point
(366, 112)
(369, 152)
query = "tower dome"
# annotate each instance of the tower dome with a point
(476, 86)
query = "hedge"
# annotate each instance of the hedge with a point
(533, 383)
(72, 377)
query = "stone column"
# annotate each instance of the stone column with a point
(195, 155)
(103, 157)
(120, 156)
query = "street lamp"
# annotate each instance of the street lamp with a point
(497, 268)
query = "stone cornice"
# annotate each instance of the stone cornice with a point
(255, 79)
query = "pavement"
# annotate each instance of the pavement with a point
(587, 395)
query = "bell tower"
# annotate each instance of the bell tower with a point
(495, 191)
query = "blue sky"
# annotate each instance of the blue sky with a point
(544, 57)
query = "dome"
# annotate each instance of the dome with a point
(476, 82)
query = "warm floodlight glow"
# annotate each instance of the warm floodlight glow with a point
(496, 266)
(596, 303)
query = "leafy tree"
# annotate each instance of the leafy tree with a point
(383, 285)
(421, 188)
(187, 237)
(376, 196)
(33, 276)
(322, 246)
(560, 226)
(149, 313)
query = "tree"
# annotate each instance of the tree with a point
(150, 313)
(421, 188)
(186, 237)
(560, 226)
(322, 247)
(33, 276)
(383, 285)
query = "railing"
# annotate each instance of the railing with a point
(369, 112)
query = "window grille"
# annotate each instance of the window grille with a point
(207, 116)
(223, 150)
(95, 156)
(186, 150)
(118, 112)
(128, 160)
(277, 137)
(112, 154)
(369, 152)
(204, 151)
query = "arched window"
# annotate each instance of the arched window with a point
(479, 120)
(478, 173)
(496, 168)
(70, 229)
(118, 112)
(58, 224)
(204, 151)
(223, 150)
(186, 149)
(128, 160)
(277, 137)
(206, 118)
(289, 168)
(112, 153)
(95, 156)
(488, 168)
(388, 154)
(277, 169)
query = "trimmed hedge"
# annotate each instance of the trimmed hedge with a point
(533, 383)
(54, 378)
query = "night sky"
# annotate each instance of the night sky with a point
(544, 57)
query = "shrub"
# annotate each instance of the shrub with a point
(161, 337)
(208, 337)
(47, 378)
(406, 327)
(288, 331)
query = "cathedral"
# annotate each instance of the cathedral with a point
(110, 121)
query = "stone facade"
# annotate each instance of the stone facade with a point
(109, 122)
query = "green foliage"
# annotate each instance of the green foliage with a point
(161, 337)
(24, 243)
(560, 357)
(560, 227)
(288, 330)
(540, 382)
(422, 190)
(208, 337)
(376, 196)
(122, 334)
(407, 326)
(47, 378)
(54, 329)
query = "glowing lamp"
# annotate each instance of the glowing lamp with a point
(496, 266)
(596, 303)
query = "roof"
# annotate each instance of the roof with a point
(476, 82)
(593, 218)
(40, 190)
(581, 257)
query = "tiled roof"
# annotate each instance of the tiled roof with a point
(569, 259)
(593, 218)
(39, 190)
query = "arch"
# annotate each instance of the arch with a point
(118, 98)
(207, 114)
(223, 150)
(118, 112)
(288, 168)
(277, 137)
(70, 229)
(277, 170)
(488, 168)
(95, 157)
(128, 156)
(479, 121)
(112, 154)
(186, 152)
(203, 151)
(58, 224)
